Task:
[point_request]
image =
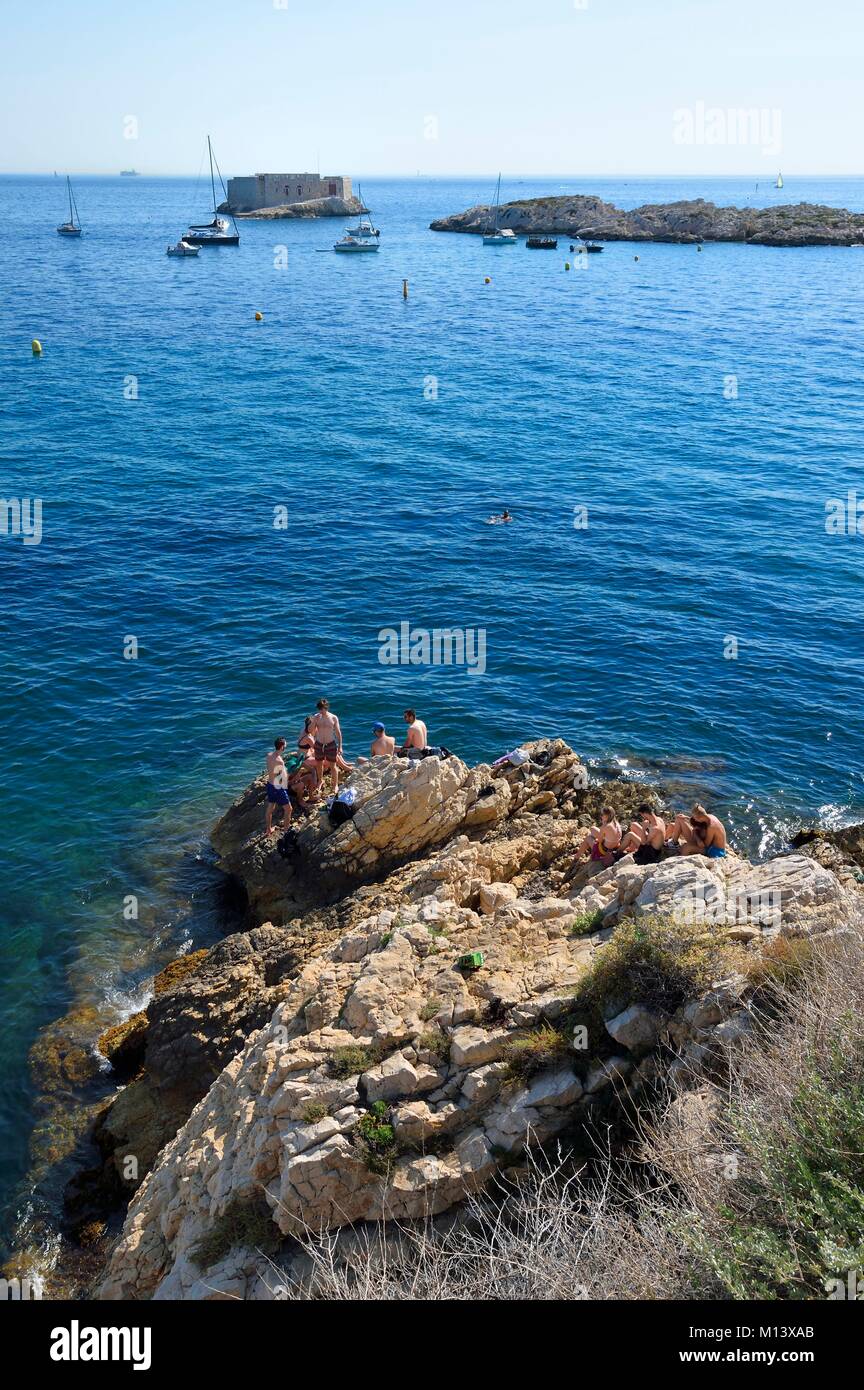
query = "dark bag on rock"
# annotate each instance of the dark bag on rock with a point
(339, 812)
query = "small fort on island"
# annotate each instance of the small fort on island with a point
(253, 193)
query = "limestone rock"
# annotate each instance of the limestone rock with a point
(635, 1028)
(691, 220)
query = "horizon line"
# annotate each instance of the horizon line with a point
(482, 174)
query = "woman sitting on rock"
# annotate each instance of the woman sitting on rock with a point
(603, 839)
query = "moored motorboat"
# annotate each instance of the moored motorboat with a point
(542, 243)
(183, 248)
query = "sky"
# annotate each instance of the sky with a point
(439, 87)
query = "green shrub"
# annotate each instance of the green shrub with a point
(656, 962)
(795, 1214)
(244, 1223)
(586, 923)
(430, 1008)
(435, 1041)
(377, 1138)
(312, 1111)
(350, 1060)
(529, 1053)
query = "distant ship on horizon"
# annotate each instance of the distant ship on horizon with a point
(129, 174)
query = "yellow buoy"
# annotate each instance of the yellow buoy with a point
(404, 289)
(566, 265)
(259, 317)
(37, 347)
(487, 279)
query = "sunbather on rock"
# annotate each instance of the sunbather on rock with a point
(603, 839)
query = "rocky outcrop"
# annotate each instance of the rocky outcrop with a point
(694, 220)
(351, 1065)
(311, 208)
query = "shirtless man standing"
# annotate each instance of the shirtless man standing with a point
(277, 786)
(701, 833)
(327, 736)
(383, 744)
(417, 737)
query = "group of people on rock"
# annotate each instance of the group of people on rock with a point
(649, 838)
(295, 781)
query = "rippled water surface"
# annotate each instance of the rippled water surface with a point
(605, 388)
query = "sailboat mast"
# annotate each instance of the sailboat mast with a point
(69, 191)
(212, 181)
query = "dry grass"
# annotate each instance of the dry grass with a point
(553, 1236)
(774, 1185)
(748, 1186)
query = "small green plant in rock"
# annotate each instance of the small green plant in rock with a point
(435, 1041)
(535, 1051)
(245, 1223)
(430, 1008)
(348, 1061)
(586, 923)
(377, 1138)
(312, 1111)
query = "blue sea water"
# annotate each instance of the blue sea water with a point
(162, 426)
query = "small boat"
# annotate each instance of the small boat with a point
(363, 237)
(593, 247)
(129, 174)
(495, 235)
(542, 243)
(218, 232)
(352, 242)
(779, 183)
(73, 226)
(183, 248)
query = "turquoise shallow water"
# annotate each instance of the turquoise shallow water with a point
(601, 388)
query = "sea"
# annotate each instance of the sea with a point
(234, 510)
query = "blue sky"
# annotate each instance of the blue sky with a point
(440, 86)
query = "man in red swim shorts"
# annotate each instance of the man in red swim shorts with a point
(327, 734)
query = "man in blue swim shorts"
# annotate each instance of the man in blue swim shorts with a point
(700, 833)
(277, 786)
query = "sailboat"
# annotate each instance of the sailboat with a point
(779, 183)
(363, 237)
(73, 226)
(495, 235)
(218, 232)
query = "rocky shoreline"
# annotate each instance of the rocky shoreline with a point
(334, 1064)
(694, 220)
(311, 208)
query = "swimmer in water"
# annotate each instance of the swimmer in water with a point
(499, 520)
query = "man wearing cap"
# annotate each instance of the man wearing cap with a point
(383, 746)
